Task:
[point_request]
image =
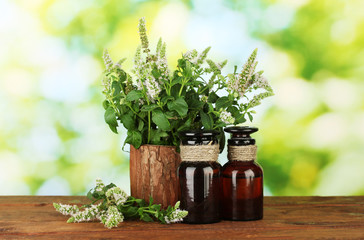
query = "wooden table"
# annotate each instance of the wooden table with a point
(33, 217)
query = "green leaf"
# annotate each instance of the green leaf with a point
(206, 120)
(179, 105)
(213, 97)
(135, 106)
(140, 202)
(175, 81)
(89, 195)
(234, 111)
(175, 90)
(71, 220)
(134, 95)
(193, 101)
(195, 104)
(110, 116)
(129, 211)
(145, 217)
(161, 219)
(250, 116)
(161, 120)
(169, 209)
(105, 104)
(240, 119)
(117, 88)
(157, 135)
(188, 70)
(155, 73)
(185, 126)
(104, 205)
(128, 120)
(123, 74)
(134, 138)
(147, 108)
(156, 207)
(171, 114)
(107, 187)
(211, 107)
(140, 125)
(165, 99)
(110, 119)
(223, 103)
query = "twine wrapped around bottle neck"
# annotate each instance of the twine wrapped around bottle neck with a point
(198, 153)
(242, 153)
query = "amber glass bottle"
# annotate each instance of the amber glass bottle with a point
(199, 176)
(242, 177)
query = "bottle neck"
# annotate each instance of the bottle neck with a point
(200, 153)
(247, 153)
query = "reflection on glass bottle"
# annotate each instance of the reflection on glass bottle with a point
(199, 176)
(242, 177)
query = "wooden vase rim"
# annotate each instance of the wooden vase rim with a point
(153, 145)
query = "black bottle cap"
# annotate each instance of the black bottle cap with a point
(240, 136)
(198, 133)
(199, 137)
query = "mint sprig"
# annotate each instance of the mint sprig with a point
(111, 205)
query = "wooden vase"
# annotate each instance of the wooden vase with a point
(153, 172)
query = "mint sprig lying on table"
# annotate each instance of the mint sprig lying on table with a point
(111, 205)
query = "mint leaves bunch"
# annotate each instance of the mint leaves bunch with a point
(154, 104)
(111, 205)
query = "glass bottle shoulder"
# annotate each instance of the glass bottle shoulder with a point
(245, 169)
(203, 165)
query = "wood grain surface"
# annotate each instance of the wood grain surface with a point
(33, 217)
(153, 172)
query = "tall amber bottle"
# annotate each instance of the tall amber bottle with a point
(242, 177)
(199, 176)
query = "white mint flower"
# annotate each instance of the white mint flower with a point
(143, 34)
(117, 65)
(261, 82)
(187, 54)
(258, 98)
(107, 84)
(248, 69)
(89, 214)
(226, 117)
(190, 55)
(152, 87)
(247, 81)
(176, 216)
(234, 85)
(218, 66)
(107, 60)
(116, 195)
(243, 81)
(113, 217)
(66, 209)
(99, 185)
(204, 99)
(202, 56)
(162, 66)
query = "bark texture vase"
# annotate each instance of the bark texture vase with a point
(153, 172)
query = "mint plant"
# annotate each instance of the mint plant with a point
(154, 104)
(111, 205)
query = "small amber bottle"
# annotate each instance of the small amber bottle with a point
(199, 176)
(242, 177)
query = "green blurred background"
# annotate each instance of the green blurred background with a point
(53, 139)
